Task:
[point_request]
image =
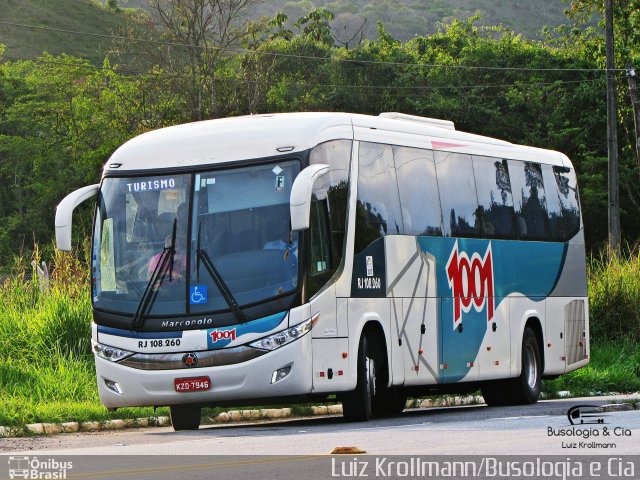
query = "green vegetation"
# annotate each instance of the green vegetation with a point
(47, 371)
(614, 366)
(61, 117)
(614, 296)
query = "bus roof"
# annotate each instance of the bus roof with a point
(259, 136)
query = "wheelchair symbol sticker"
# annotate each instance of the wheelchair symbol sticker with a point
(198, 295)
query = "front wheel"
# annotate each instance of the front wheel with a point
(390, 402)
(185, 417)
(357, 405)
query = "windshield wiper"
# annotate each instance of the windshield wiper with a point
(157, 276)
(203, 256)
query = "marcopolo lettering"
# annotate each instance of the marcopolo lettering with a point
(471, 282)
(150, 185)
(187, 323)
(217, 335)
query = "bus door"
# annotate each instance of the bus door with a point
(412, 284)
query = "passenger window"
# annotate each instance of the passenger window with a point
(494, 196)
(562, 201)
(532, 219)
(460, 211)
(378, 208)
(418, 188)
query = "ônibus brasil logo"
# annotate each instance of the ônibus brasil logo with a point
(471, 282)
(222, 335)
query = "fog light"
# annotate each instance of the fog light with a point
(280, 374)
(113, 386)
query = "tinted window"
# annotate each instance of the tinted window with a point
(562, 201)
(335, 188)
(320, 266)
(457, 194)
(378, 207)
(532, 220)
(241, 222)
(134, 229)
(494, 196)
(418, 188)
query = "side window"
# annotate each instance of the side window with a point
(529, 199)
(460, 212)
(494, 197)
(418, 188)
(320, 250)
(378, 208)
(562, 201)
(335, 184)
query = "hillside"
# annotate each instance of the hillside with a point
(72, 15)
(403, 19)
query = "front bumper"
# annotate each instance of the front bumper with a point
(240, 381)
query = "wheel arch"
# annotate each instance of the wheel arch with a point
(378, 339)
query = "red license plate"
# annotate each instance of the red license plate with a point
(192, 384)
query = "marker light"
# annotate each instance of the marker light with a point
(112, 354)
(279, 339)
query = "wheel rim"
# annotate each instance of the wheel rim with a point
(371, 376)
(531, 367)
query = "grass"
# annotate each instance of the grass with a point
(614, 295)
(614, 367)
(47, 372)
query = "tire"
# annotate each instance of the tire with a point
(390, 403)
(185, 417)
(497, 393)
(527, 385)
(357, 406)
(524, 389)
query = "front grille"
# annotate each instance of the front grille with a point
(209, 358)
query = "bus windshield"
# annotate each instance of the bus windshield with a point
(233, 245)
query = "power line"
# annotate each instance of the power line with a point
(323, 85)
(307, 57)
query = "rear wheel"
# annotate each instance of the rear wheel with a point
(185, 417)
(357, 405)
(524, 389)
(527, 389)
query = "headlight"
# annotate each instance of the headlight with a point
(279, 339)
(112, 354)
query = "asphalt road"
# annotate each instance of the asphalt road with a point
(298, 448)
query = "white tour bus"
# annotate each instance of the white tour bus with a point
(285, 258)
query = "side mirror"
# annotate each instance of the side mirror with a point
(301, 195)
(64, 212)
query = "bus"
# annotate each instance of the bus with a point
(298, 257)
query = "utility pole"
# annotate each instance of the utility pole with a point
(633, 92)
(612, 136)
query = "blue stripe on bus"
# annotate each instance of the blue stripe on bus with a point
(129, 334)
(530, 269)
